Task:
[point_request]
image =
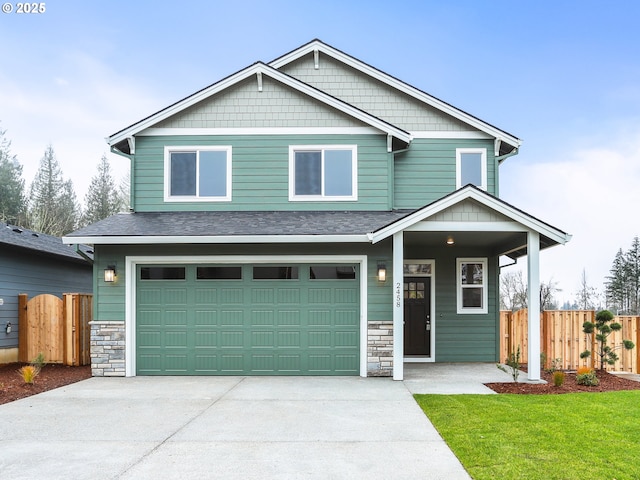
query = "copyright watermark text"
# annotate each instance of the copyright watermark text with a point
(31, 7)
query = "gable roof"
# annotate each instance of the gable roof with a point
(40, 243)
(506, 144)
(119, 140)
(549, 235)
(512, 142)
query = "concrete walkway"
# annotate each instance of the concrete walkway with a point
(224, 427)
(454, 378)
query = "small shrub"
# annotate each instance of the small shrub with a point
(558, 378)
(28, 373)
(556, 364)
(584, 369)
(513, 362)
(588, 379)
(38, 362)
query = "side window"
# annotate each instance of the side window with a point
(471, 167)
(471, 278)
(197, 174)
(323, 173)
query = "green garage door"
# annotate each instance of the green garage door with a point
(247, 320)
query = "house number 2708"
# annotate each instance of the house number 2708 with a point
(398, 295)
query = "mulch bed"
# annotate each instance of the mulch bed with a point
(608, 383)
(13, 387)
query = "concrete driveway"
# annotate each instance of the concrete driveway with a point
(223, 427)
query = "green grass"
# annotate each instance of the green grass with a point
(573, 436)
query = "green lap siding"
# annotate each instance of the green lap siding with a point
(260, 172)
(247, 327)
(427, 171)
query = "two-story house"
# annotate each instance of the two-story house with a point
(308, 216)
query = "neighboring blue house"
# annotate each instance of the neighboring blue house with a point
(309, 216)
(35, 263)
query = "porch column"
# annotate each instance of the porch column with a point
(398, 306)
(533, 301)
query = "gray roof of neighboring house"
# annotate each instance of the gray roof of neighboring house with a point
(240, 223)
(40, 243)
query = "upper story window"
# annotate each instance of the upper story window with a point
(471, 167)
(197, 174)
(323, 172)
(472, 285)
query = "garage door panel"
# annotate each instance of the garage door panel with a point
(288, 318)
(205, 339)
(262, 317)
(285, 325)
(206, 296)
(206, 317)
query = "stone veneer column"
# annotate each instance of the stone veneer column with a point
(380, 348)
(107, 348)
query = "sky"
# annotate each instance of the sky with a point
(562, 76)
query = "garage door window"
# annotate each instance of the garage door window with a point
(219, 273)
(333, 272)
(283, 272)
(162, 273)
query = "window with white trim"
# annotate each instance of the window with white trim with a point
(471, 167)
(323, 172)
(472, 285)
(197, 174)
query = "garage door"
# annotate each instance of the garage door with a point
(297, 319)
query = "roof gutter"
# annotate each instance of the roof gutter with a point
(83, 255)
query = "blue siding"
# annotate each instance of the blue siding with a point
(24, 272)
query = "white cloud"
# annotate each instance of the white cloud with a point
(592, 194)
(74, 113)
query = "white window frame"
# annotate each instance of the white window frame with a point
(483, 167)
(485, 287)
(322, 197)
(198, 148)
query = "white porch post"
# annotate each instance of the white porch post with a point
(533, 301)
(398, 306)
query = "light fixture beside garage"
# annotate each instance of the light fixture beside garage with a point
(450, 240)
(110, 274)
(382, 272)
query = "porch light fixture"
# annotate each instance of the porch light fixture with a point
(110, 274)
(450, 240)
(382, 272)
(8, 328)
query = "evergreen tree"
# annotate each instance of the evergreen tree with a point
(632, 276)
(12, 199)
(53, 208)
(102, 200)
(615, 290)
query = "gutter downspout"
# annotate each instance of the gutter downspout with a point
(83, 255)
(131, 176)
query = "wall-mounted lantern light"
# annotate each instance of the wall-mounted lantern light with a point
(382, 272)
(8, 328)
(110, 273)
(450, 240)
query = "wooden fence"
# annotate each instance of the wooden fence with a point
(561, 337)
(57, 328)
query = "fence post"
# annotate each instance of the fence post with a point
(23, 329)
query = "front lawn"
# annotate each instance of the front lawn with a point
(572, 436)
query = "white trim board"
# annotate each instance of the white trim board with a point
(131, 262)
(179, 239)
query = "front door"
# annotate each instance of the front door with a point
(417, 316)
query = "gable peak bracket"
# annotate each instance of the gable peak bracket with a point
(316, 59)
(132, 145)
(389, 143)
(496, 147)
(259, 77)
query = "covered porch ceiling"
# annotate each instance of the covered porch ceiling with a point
(510, 244)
